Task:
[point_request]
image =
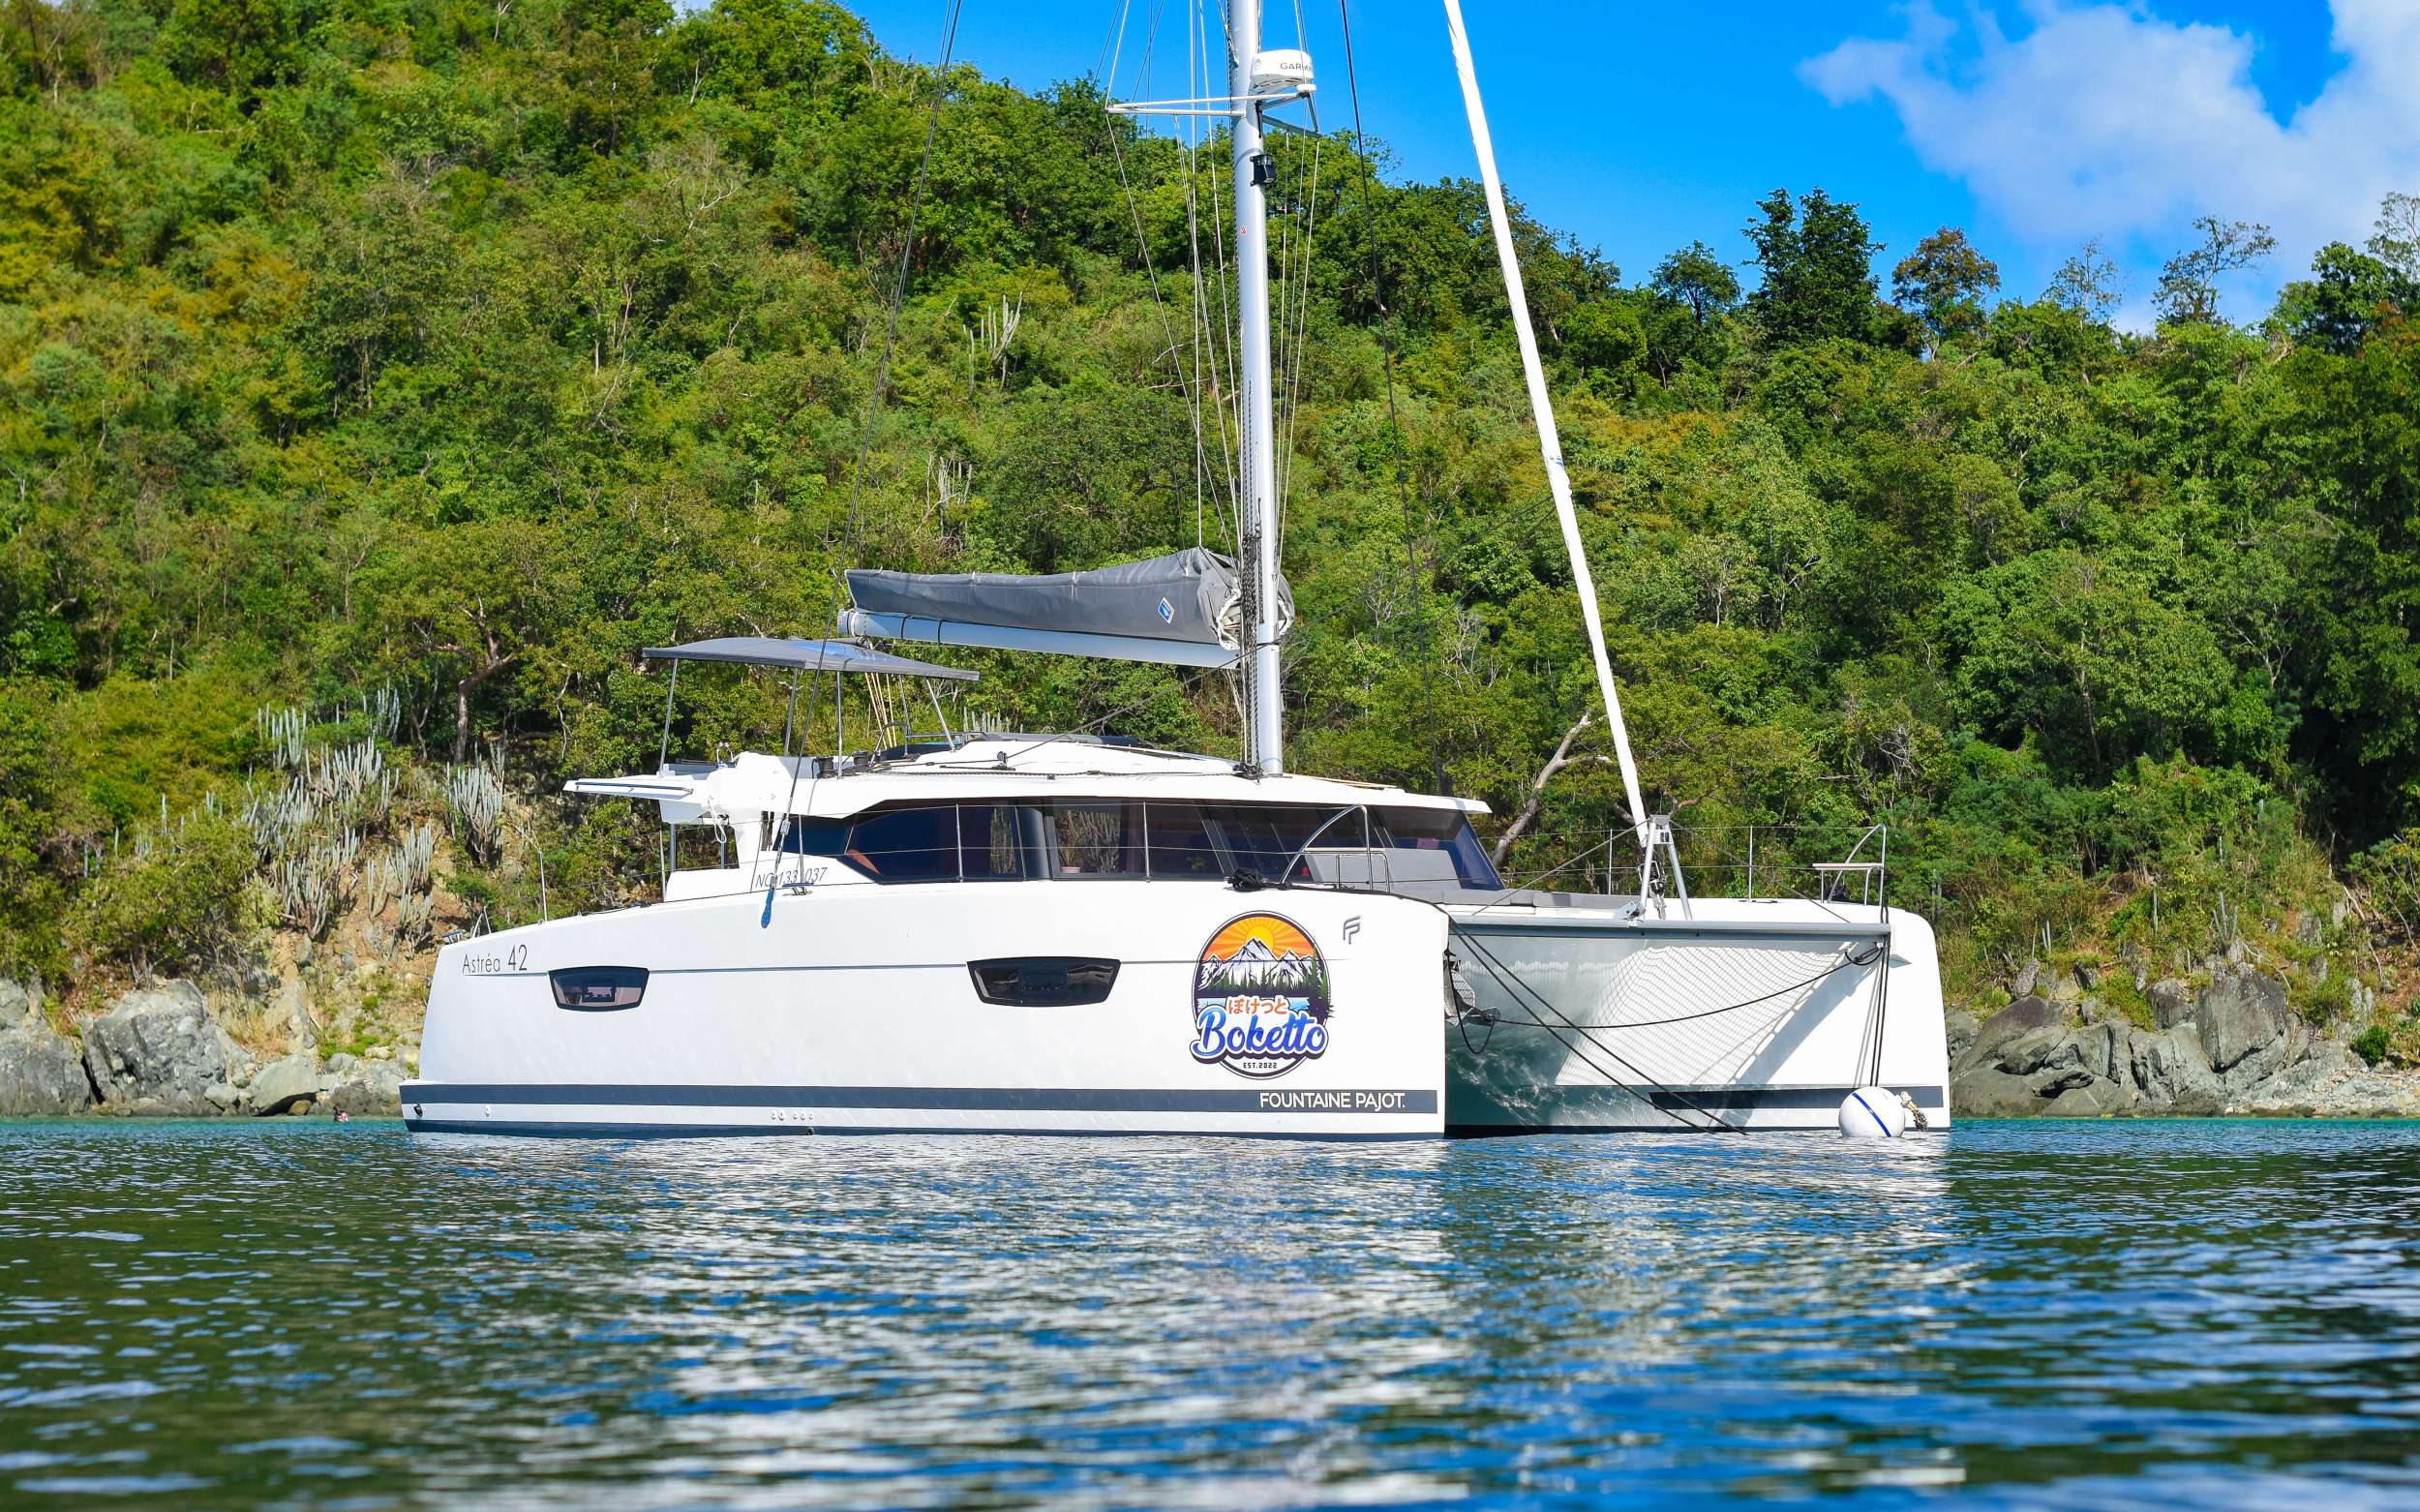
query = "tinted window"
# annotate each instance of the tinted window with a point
(1098, 840)
(1428, 841)
(906, 845)
(1180, 842)
(994, 840)
(804, 836)
(1269, 837)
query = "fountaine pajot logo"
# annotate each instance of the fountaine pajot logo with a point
(1260, 998)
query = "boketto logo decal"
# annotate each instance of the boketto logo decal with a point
(1260, 998)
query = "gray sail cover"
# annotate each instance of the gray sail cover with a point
(1194, 596)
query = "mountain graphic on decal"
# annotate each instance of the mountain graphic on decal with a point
(1256, 965)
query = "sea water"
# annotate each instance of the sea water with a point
(2034, 1313)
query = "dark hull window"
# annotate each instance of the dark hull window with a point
(598, 989)
(1043, 980)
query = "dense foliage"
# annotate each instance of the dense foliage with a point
(462, 349)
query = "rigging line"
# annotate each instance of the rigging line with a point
(1394, 422)
(1196, 83)
(1881, 1010)
(1142, 246)
(1114, 49)
(1532, 1021)
(1192, 388)
(1840, 965)
(1515, 987)
(1226, 310)
(1151, 39)
(907, 253)
(1090, 725)
(1507, 895)
(1500, 971)
(1300, 342)
(1209, 392)
(1193, 238)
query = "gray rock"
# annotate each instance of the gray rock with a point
(160, 1051)
(2172, 1002)
(1983, 1092)
(279, 1086)
(40, 1071)
(375, 1092)
(1962, 1030)
(2170, 1073)
(2096, 1098)
(224, 1096)
(294, 1003)
(2025, 1017)
(2027, 977)
(15, 1002)
(2241, 1013)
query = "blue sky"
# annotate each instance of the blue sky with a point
(2032, 123)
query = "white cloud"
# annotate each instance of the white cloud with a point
(2104, 120)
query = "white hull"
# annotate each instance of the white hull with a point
(853, 1011)
(1743, 1014)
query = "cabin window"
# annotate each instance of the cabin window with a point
(1179, 843)
(1173, 841)
(998, 842)
(1269, 838)
(906, 845)
(1434, 844)
(1104, 840)
(804, 836)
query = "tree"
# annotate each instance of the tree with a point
(2396, 240)
(2088, 283)
(1943, 280)
(1817, 257)
(2188, 291)
(2351, 296)
(1695, 277)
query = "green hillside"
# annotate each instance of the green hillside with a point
(411, 363)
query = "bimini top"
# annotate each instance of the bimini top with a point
(766, 650)
(1185, 607)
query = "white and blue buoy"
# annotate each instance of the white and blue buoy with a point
(1873, 1114)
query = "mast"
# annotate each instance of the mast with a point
(1264, 733)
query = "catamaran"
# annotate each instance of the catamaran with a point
(973, 931)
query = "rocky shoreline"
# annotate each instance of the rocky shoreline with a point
(2231, 1048)
(161, 1051)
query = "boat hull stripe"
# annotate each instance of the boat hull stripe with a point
(1774, 1097)
(1038, 1100)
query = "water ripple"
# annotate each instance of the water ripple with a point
(2037, 1314)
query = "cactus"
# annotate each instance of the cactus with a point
(474, 806)
(313, 884)
(280, 817)
(383, 711)
(415, 919)
(282, 729)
